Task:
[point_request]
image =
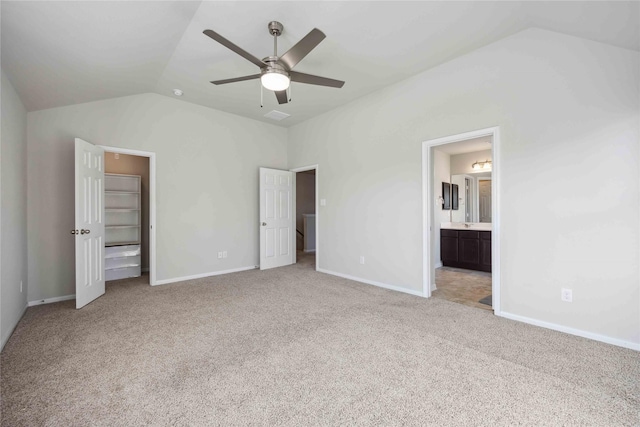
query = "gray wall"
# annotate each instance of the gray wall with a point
(13, 206)
(135, 165)
(207, 183)
(568, 111)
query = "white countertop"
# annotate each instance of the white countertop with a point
(477, 226)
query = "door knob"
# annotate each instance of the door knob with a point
(83, 231)
(264, 223)
(74, 231)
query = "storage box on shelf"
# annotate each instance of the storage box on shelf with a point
(122, 226)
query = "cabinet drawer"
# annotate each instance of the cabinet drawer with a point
(449, 233)
(121, 251)
(123, 262)
(464, 234)
(122, 273)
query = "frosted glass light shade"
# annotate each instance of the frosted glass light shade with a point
(275, 81)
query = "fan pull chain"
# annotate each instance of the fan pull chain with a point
(290, 89)
(261, 96)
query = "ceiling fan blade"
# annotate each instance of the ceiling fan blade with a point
(282, 96)
(226, 43)
(237, 79)
(302, 48)
(314, 80)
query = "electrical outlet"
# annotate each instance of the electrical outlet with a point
(361, 259)
(219, 255)
(566, 295)
(20, 286)
(224, 254)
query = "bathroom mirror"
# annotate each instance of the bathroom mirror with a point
(472, 197)
(446, 196)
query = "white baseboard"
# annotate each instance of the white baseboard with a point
(51, 300)
(372, 282)
(13, 328)
(200, 276)
(309, 250)
(571, 331)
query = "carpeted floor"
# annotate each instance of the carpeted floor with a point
(291, 346)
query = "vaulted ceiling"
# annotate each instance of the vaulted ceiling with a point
(62, 53)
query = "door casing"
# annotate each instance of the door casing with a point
(428, 213)
(152, 203)
(317, 202)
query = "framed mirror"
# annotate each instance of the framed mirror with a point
(446, 196)
(454, 197)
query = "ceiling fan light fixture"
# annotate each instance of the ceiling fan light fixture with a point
(275, 80)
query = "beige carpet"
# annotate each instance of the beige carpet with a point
(294, 347)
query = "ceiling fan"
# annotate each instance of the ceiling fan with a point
(276, 72)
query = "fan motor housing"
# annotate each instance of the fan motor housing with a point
(273, 66)
(275, 28)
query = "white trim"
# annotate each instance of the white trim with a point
(10, 330)
(567, 330)
(372, 282)
(51, 300)
(303, 169)
(200, 276)
(428, 177)
(152, 202)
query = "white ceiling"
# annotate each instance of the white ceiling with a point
(62, 53)
(469, 146)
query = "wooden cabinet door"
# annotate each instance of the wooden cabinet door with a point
(448, 246)
(469, 247)
(485, 249)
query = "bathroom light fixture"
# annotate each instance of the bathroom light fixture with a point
(481, 165)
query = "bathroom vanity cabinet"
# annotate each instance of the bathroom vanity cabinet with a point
(468, 249)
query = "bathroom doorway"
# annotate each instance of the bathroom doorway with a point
(461, 236)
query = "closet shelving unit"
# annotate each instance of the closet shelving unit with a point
(123, 205)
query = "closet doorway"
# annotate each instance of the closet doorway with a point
(129, 212)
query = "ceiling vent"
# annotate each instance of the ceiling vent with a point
(276, 115)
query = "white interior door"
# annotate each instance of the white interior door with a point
(89, 229)
(485, 200)
(276, 218)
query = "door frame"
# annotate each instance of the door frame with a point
(152, 202)
(294, 243)
(428, 212)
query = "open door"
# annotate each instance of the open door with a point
(276, 218)
(89, 229)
